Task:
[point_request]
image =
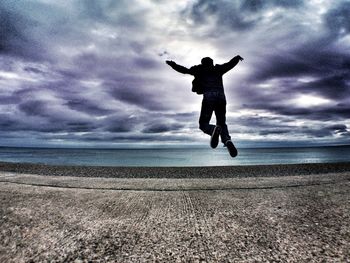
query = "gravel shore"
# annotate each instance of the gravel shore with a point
(177, 172)
(285, 213)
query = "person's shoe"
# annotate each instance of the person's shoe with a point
(231, 148)
(214, 141)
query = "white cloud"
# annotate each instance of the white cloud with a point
(309, 101)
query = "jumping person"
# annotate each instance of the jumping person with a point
(208, 81)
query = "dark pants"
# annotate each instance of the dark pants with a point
(214, 102)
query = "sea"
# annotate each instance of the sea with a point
(174, 156)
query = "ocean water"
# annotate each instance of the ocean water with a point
(174, 157)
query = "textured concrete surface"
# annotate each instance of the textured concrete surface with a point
(270, 219)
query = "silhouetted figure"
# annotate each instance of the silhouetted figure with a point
(208, 81)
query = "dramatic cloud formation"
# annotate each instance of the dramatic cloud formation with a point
(93, 73)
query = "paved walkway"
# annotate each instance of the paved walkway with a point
(63, 219)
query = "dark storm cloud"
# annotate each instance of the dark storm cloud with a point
(152, 138)
(9, 99)
(340, 129)
(237, 15)
(12, 39)
(326, 131)
(146, 63)
(120, 126)
(86, 106)
(69, 92)
(92, 9)
(131, 95)
(319, 61)
(334, 86)
(7, 122)
(135, 138)
(34, 30)
(15, 31)
(13, 123)
(34, 70)
(38, 121)
(35, 108)
(313, 59)
(273, 131)
(111, 138)
(316, 131)
(80, 126)
(226, 14)
(118, 123)
(136, 91)
(337, 18)
(258, 5)
(110, 12)
(320, 113)
(65, 82)
(94, 70)
(262, 122)
(120, 68)
(159, 127)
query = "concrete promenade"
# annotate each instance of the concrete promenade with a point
(293, 218)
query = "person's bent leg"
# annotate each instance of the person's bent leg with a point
(205, 116)
(220, 112)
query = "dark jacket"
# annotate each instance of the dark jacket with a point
(209, 78)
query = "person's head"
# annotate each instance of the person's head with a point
(207, 61)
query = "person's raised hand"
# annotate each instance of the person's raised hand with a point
(170, 62)
(239, 57)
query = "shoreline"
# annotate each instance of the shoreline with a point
(176, 172)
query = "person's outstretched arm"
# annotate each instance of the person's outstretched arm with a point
(178, 68)
(231, 64)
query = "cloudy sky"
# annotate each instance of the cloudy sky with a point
(93, 73)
